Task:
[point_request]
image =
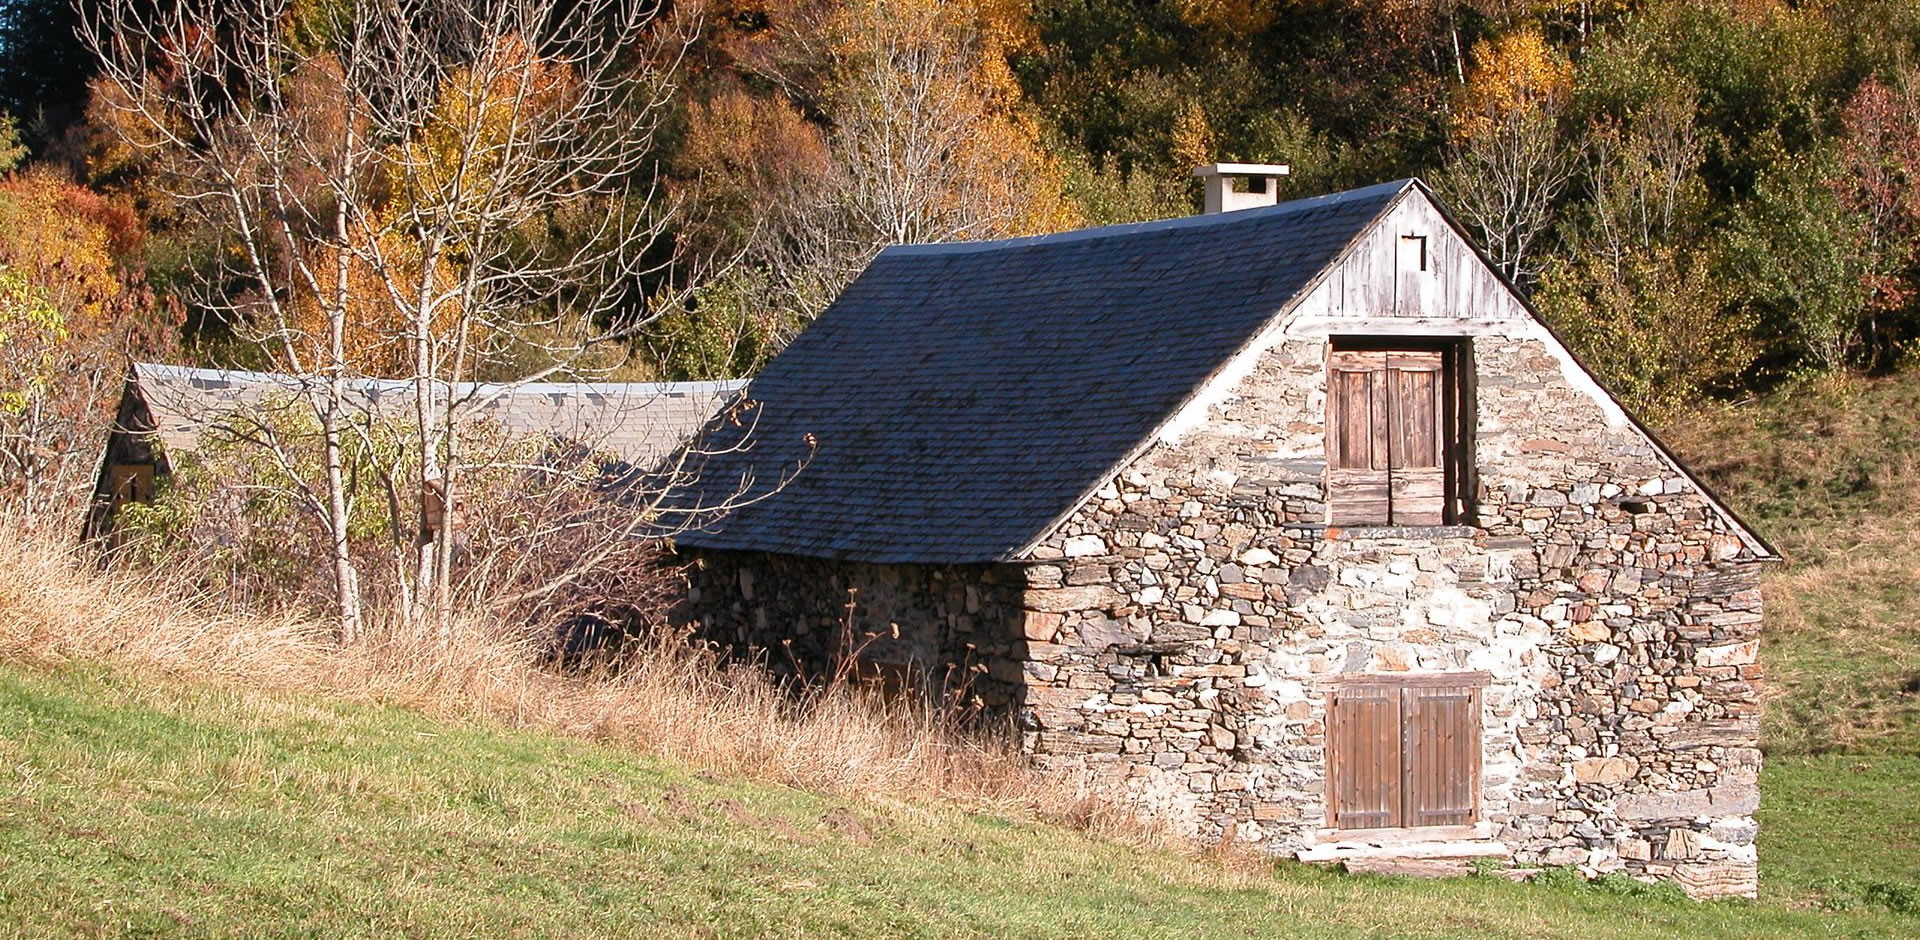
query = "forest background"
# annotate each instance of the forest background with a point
(1716, 202)
(1709, 198)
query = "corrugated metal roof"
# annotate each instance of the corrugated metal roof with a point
(638, 422)
(959, 398)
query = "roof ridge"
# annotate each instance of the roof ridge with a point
(358, 383)
(1126, 229)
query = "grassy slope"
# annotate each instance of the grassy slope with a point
(1835, 826)
(1830, 472)
(140, 806)
(137, 808)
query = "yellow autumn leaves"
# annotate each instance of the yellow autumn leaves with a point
(1513, 74)
(478, 121)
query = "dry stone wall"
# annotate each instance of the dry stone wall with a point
(953, 629)
(1595, 586)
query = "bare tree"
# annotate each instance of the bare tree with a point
(922, 137)
(1504, 183)
(388, 173)
(562, 521)
(1509, 163)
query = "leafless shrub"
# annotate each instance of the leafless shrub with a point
(406, 188)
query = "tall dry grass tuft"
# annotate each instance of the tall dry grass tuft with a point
(665, 697)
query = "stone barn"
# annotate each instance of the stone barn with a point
(168, 410)
(1295, 524)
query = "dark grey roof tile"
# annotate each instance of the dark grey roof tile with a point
(965, 396)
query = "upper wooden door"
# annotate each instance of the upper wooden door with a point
(1387, 437)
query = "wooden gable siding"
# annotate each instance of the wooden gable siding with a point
(1383, 276)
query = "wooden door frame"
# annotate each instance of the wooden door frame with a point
(1457, 421)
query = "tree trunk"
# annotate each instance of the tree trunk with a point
(346, 578)
(430, 603)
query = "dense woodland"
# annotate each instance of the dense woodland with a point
(1707, 196)
(1709, 199)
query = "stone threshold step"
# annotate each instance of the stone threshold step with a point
(1452, 849)
(1428, 868)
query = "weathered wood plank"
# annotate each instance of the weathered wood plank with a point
(1364, 757)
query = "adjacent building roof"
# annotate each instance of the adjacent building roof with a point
(958, 399)
(637, 422)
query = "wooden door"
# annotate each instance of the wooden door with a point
(1387, 437)
(1417, 478)
(1364, 753)
(1403, 752)
(130, 483)
(1442, 731)
(1358, 484)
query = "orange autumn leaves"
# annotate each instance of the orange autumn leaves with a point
(402, 254)
(900, 116)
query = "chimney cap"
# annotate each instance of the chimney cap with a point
(1243, 169)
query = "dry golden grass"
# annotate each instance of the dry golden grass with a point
(667, 699)
(1827, 469)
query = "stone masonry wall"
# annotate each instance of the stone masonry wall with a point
(1192, 614)
(949, 628)
(1177, 635)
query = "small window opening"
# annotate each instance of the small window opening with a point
(130, 483)
(1416, 251)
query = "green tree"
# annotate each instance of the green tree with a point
(1803, 257)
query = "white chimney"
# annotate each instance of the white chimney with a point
(1263, 185)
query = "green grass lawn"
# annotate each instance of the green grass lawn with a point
(1828, 471)
(131, 809)
(1841, 829)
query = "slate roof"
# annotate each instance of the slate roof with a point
(638, 422)
(958, 399)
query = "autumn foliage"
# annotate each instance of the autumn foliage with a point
(73, 307)
(1709, 197)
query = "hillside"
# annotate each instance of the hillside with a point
(1828, 471)
(142, 809)
(174, 772)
